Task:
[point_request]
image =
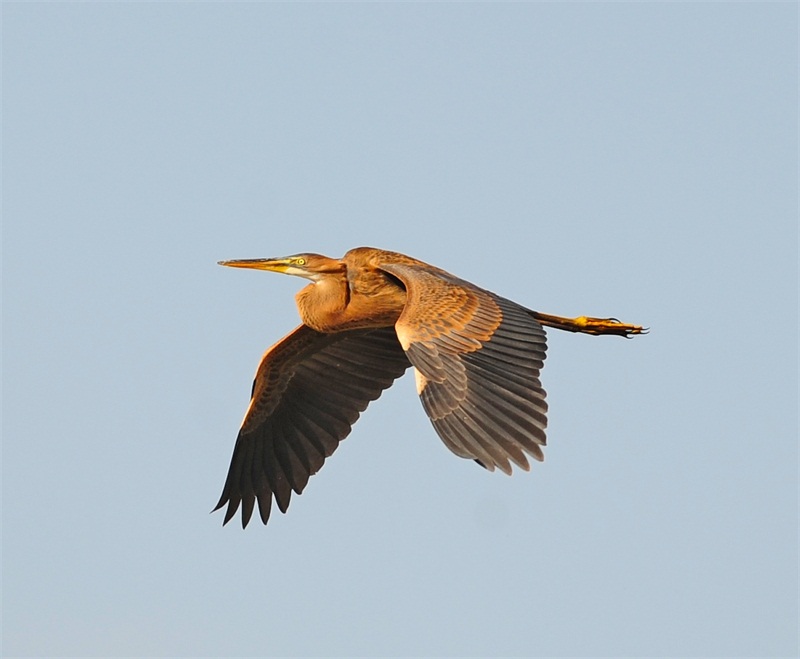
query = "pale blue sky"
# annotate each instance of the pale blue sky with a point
(627, 159)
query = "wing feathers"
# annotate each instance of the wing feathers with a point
(309, 390)
(479, 358)
(461, 430)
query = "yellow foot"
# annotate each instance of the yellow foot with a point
(588, 325)
(608, 326)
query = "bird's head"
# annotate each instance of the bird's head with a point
(310, 266)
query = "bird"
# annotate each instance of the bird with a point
(366, 318)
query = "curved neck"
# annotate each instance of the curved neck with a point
(322, 303)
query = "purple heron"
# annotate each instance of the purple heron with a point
(368, 317)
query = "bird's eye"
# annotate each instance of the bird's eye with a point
(300, 261)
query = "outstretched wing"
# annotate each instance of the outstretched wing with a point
(308, 392)
(476, 358)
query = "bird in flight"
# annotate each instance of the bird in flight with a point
(368, 317)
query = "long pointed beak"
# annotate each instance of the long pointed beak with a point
(273, 265)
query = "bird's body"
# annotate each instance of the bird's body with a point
(366, 318)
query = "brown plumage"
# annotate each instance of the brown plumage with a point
(366, 318)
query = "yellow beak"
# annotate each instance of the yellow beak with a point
(272, 265)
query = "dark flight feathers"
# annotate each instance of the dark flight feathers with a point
(318, 394)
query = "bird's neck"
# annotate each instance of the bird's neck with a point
(322, 304)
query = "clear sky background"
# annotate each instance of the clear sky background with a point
(627, 159)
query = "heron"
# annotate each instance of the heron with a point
(366, 318)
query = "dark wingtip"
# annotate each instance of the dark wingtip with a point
(247, 510)
(233, 506)
(226, 520)
(220, 503)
